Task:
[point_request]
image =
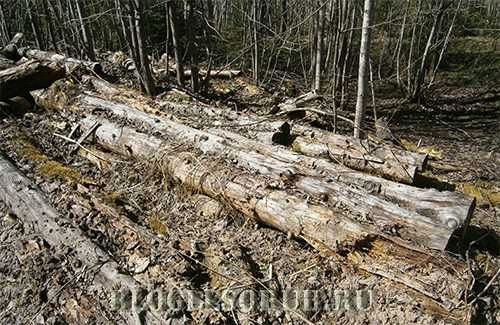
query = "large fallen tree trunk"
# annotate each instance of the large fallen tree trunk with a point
(32, 75)
(377, 158)
(450, 208)
(366, 155)
(328, 229)
(30, 206)
(363, 155)
(424, 216)
(70, 63)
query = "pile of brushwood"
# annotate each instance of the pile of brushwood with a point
(354, 200)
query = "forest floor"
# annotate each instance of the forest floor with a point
(41, 286)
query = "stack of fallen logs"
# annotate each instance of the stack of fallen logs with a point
(23, 70)
(348, 198)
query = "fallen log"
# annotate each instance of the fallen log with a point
(137, 247)
(425, 216)
(214, 72)
(225, 74)
(365, 155)
(32, 75)
(377, 158)
(328, 229)
(294, 103)
(449, 207)
(10, 50)
(30, 206)
(69, 63)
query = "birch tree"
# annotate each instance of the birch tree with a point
(363, 71)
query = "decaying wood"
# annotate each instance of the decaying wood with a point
(206, 206)
(10, 50)
(225, 74)
(294, 103)
(367, 155)
(18, 80)
(328, 229)
(69, 63)
(122, 232)
(451, 209)
(30, 206)
(214, 73)
(425, 216)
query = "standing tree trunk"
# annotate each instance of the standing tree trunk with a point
(446, 41)
(256, 43)
(145, 67)
(423, 64)
(50, 25)
(364, 59)
(400, 45)
(175, 43)
(60, 28)
(284, 16)
(319, 49)
(4, 28)
(167, 41)
(87, 38)
(192, 49)
(34, 26)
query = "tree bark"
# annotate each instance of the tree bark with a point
(192, 49)
(19, 80)
(87, 37)
(319, 50)
(446, 206)
(364, 58)
(69, 63)
(363, 155)
(423, 64)
(175, 43)
(50, 26)
(304, 173)
(327, 229)
(34, 26)
(145, 66)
